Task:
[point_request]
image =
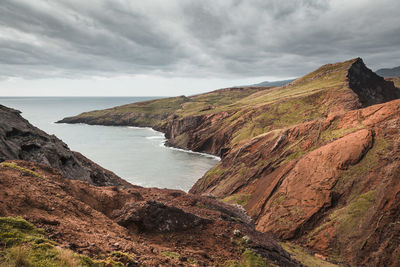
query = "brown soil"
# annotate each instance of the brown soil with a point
(143, 221)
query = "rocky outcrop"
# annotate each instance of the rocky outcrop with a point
(157, 227)
(369, 87)
(155, 216)
(21, 140)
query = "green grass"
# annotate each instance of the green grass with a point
(156, 112)
(22, 244)
(214, 173)
(304, 257)
(347, 221)
(331, 76)
(348, 218)
(170, 254)
(278, 200)
(240, 199)
(23, 170)
(359, 170)
(280, 115)
(248, 259)
(396, 81)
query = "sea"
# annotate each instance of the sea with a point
(137, 155)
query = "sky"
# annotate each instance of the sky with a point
(183, 47)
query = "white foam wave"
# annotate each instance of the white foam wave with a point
(191, 152)
(162, 144)
(155, 137)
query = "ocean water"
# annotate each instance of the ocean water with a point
(136, 154)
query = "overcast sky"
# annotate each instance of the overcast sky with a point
(174, 47)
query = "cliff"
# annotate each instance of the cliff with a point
(21, 140)
(313, 162)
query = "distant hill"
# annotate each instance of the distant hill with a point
(274, 84)
(389, 72)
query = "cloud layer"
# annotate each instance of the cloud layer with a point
(180, 38)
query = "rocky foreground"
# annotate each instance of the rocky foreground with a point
(154, 226)
(315, 162)
(87, 216)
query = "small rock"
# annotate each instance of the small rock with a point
(322, 257)
(236, 232)
(247, 239)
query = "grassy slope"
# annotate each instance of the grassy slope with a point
(155, 112)
(22, 244)
(325, 77)
(295, 103)
(253, 111)
(396, 81)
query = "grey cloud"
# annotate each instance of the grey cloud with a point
(227, 38)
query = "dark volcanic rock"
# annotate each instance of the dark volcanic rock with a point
(21, 140)
(370, 88)
(155, 216)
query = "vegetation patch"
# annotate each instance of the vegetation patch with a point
(304, 257)
(278, 200)
(368, 162)
(282, 114)
(170, 254)
(348, 219)
(22, 244)
(249, 259)
(333, 132)
(240, 199)
(396, 81)
(23, 170)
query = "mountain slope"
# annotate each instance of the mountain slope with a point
(389, 72)
(272, 84)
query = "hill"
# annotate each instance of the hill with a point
(389, 72)
(272, 84)
(313, 161)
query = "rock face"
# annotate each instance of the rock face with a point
(20, 140)
(370, 88)
(315, 161)
(151, 224)
(155, 216)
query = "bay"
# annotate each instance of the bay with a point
(135, 154)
